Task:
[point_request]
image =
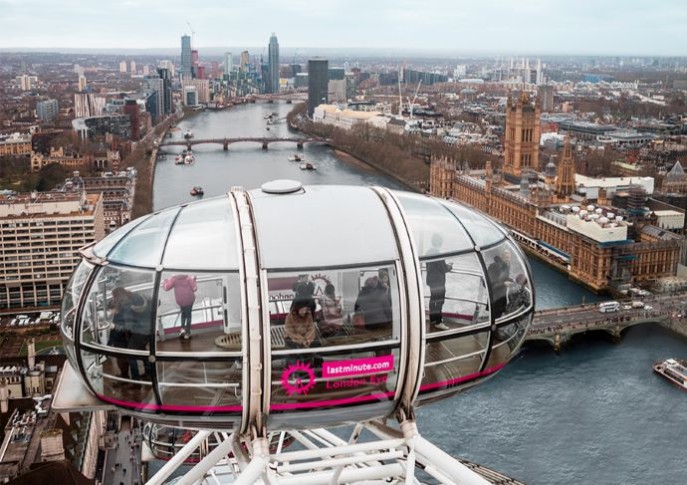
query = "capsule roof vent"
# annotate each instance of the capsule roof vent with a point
(282, 186)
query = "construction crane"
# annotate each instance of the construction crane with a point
(400, 99)
(412, 104)
(193, 34)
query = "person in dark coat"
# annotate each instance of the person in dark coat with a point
(374, 304)
(131, 319)
(304, 289)
(436, 280)
(499, 278)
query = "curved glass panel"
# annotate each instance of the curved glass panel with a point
(203, 237)
(104, 374)
(453, 362)
(434, 229)
(201, 386)
(198, 313)
(324, 226)
(456, 295)
(508, 278)
(143, 245)
(335, 336)
(167, 441)
(71, 297)
(105, 245)
(506, 341)
(119, 309)
(482, 230)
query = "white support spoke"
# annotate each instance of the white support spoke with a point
(327, 459)
(178, 459)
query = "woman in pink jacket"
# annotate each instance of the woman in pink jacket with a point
(185, 295)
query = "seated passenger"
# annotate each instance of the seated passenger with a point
(332, 314)
(373, 305)
(299, 329)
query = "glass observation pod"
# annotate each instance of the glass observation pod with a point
(293, 307)
(165, 442)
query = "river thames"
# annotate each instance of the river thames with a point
(593, 414)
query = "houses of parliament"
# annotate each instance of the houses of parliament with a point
(604, 247)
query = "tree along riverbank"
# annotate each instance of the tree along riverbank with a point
(143, 158)
(403, 157)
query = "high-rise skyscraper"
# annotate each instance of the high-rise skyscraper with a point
(228, 63)
(47, 110)
(166, 76)
(272, 83)
(318, 82)
(156, 108)
(131, 109)
(82, 83)
(185, 71)
(245, 60)
(545, 94)
(194, 63)
(169, 65)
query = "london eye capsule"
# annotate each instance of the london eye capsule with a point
(295, 307)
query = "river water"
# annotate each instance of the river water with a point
(593, 414)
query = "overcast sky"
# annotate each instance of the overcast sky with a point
(615, 27)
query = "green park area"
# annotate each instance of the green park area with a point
(40, 345)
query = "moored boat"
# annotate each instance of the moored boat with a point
(673, 370)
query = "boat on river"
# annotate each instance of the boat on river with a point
(308, 166)
(185, 158)
(188, 135)
(295, 158)
(673, 370)
(197, 190)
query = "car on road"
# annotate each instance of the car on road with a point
(649, 307)
(627, 307)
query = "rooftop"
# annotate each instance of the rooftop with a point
(56, 204)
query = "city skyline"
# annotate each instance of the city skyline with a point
(529, 26)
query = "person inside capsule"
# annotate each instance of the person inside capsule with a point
(299, 329)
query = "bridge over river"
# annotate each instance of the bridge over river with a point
(558, 325)
(225, 142)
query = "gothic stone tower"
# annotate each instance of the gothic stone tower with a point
(523, 130)
(565, 182)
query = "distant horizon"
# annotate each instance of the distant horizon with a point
(627, 28)
(313, 50)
